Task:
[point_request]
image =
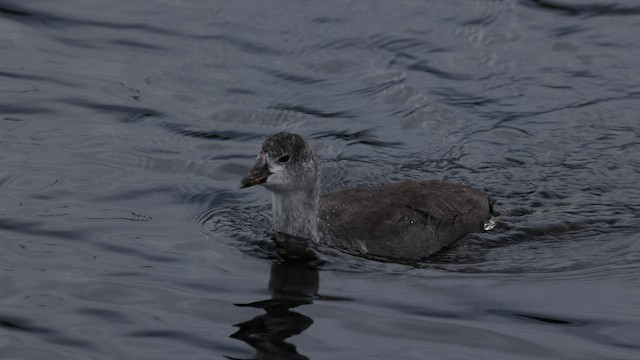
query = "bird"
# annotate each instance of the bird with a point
(408, 220)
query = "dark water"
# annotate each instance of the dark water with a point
(126, 127)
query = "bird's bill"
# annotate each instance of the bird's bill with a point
(258, 173)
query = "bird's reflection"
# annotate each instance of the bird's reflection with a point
(293, 282)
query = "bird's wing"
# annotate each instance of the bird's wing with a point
(403, 220)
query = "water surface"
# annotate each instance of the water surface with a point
(126, 128)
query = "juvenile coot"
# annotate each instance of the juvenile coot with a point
(408, 220)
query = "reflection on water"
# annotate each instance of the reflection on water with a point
(290, 287)
(293, 281)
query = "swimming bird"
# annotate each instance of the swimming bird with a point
(408, 220)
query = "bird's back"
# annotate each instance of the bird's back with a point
(408, 220)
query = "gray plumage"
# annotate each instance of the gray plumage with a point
(408, 220)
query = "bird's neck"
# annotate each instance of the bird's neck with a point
(295, 212)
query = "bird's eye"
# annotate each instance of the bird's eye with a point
(283, 158)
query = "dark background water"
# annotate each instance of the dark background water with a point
(126, 127)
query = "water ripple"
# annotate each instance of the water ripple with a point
(55, 21)
(125, 114)
(423, 66)
(380, 84)
(27, 109)
(583, 10)
(294, 78)
(13, 323)
(36, 78)
(186, 130)
(541, 318)
(313, 112)
(245, 45)
(353, 138)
